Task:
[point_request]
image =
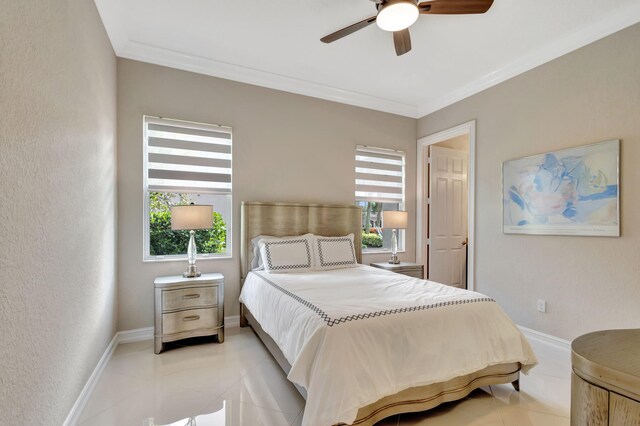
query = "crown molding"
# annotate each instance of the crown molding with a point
(617, 21)
(169, 58)
(130, 49)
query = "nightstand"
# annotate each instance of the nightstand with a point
(188, 307)
(404, 268)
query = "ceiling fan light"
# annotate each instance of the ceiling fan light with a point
(397, 15)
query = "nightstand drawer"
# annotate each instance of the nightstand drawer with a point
(192, 319)
(189, 298)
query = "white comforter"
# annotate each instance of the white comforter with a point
(356, 335)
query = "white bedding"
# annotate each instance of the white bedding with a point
(356, 335)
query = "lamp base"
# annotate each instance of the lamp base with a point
(192, 272)
(394, 248)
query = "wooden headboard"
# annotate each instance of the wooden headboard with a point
(284, 219)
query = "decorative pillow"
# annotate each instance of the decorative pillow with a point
(257, 263)
(335, 252)
(285, 255)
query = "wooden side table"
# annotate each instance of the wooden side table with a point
(605, 382)
(404, 268)
(188, 307)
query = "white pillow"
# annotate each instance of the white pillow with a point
(335, 252)
(284, 255)
(257, 263)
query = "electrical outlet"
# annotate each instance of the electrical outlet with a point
(542, 306)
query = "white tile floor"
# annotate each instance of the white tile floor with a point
(238, 383)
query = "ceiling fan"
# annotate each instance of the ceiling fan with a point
(398, 15)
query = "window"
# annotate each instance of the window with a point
(186, 163)
(379, 186)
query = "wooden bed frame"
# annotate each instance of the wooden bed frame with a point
(282, 219)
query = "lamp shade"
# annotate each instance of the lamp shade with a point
(191, 217)
(394, 219)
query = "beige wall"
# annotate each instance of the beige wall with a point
(286, 147)
(57, 205)
(587, 96)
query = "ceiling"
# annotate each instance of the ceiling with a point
(277, 44)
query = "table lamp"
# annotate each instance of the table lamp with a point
(394, 220)
(190, 217)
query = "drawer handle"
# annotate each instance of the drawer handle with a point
(191, 296)
(191, 318)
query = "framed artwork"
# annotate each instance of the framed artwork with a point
(573, 191)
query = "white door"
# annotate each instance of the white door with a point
(448, 220)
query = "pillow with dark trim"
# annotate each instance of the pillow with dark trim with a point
(257, 264)
(288, 254)
(335, 252)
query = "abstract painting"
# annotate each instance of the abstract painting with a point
(573, 191)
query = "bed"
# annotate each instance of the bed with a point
(362, 344)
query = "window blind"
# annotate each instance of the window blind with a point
(187, 157)
(379, 175)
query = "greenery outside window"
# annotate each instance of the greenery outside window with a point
(186, 163)
(380, 186)
(165, 242)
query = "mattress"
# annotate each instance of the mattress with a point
(355, 335)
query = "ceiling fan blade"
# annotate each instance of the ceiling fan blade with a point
(402, 41)
(348, 30)
(454, 7)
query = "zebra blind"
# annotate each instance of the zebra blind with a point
(187, 157)
(379, 175)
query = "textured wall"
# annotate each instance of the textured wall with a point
(286, 147)
(587, 96)
(57, 205)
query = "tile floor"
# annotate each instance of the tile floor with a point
(238, 383)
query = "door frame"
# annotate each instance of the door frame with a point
(469, 129)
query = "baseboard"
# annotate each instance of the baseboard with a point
(232, 322)
(124, 336)
(135, 335)
(556, 342)
(78, 406)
